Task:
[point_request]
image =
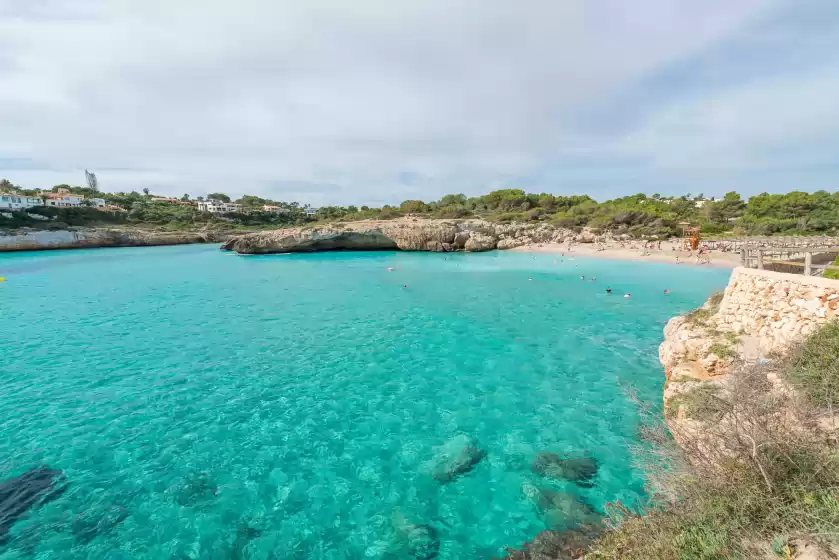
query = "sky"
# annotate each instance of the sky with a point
(379, 101)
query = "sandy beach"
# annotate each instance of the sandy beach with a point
(667, 254)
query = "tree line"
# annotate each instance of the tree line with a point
(792, 213)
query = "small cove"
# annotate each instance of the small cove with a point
(207, 405)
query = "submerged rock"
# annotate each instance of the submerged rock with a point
(554, 545)
(560, 510)
(415, 540)
(456, 457)
(580, 470)
(194, 490)
(19, 494)
(90, 524)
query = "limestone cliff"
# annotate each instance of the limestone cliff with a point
(406, 234)
(82, 238)
(755, 321)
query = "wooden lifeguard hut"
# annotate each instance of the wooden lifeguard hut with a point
(690, 236)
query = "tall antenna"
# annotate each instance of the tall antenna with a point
(91, 181)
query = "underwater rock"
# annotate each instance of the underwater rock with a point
(19, 494)
(90, 524)
(554, 545)
(456, 457)
(560, 510)
(195, 490)
(416, 540)
(580, 470)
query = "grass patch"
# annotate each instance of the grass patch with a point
(699, 316)
(700, 403)
(832, 274)
(724, 351)
(814, 366)
(703, 314)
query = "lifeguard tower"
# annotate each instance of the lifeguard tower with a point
(690, 236)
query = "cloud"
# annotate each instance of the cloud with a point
(375, 102)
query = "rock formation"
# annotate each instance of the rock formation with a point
(20, 494)
(580, 470)
(87, 238)
(406, 234)
(711, 350)
(560, 510)
(456, 457)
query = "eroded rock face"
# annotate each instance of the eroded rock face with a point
(87, 238)
(406, 234)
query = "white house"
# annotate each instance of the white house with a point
(97, 202)
(310, 211)
(703, 202)
(61, 200)
(18, 201)
(217, 206)
(274, 209)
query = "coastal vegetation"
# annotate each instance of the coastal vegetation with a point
(767, 490)
(794, 213)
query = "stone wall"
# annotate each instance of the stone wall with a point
(776, 308)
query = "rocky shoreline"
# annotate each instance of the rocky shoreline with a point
(88, 238)
(405, 234)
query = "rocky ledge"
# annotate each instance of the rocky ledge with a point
(406, 234)
(84, 238)
(744, 332)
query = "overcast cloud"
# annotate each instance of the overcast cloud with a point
(327, 101)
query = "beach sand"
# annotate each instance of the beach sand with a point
(665, 255)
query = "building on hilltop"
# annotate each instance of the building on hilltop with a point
(274, 209)
(19, 202)
(214, 206)
(64, 200)
(310, 211)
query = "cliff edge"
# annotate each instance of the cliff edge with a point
(84, 238)
(406, 234)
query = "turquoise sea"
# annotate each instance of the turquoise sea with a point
(207, 405)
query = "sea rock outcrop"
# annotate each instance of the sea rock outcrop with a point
(406, 234)
(581, 470)
(18, 495)
(560, 510)
(456, 457)
(87, 238)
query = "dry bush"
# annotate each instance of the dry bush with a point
(752, 475)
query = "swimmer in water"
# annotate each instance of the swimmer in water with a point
(608, 290)
(594, 278)
(582, 277)
(666, 292)
(627, 296)
(529, 278)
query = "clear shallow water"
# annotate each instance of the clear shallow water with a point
(206, 405)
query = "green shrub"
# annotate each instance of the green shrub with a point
(700, 403)
(723, 351)
(814, 367)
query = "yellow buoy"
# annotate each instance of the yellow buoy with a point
(2, 279)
